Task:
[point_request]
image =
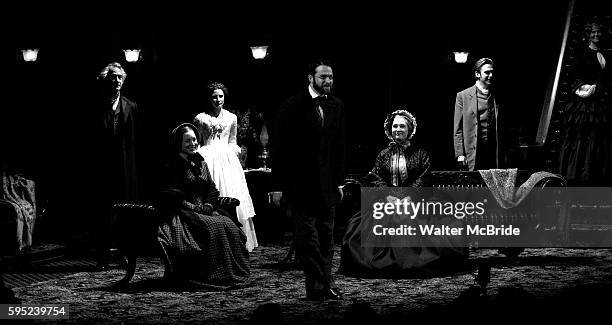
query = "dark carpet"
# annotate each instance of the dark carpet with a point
(547, 283)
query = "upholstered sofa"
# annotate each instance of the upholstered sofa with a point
(523, 215)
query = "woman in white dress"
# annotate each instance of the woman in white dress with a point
(218, 129)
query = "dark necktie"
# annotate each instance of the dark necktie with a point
(319, 104)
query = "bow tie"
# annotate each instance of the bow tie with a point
(402, 146)
(320, 99)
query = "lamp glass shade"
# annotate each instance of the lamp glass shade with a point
(132, 55)
(461, 57)
(30, 55)
(259, 52)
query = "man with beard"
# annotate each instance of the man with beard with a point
(308, 165)
(476, 133)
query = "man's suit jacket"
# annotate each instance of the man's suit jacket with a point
(466, 126)
(114, 163)
(308, 160)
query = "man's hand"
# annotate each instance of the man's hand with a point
(275, 197)
(341, 191)
(461, 161)
(586, 90)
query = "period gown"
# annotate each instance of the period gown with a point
(220, 152)
(586, 148)
(203, 244)
(422, 256)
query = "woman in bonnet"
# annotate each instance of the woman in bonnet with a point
(401, 164)
(204, 245)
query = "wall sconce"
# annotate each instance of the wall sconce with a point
(461, 57)
(30, 55)
(132, 55)
(259, 52)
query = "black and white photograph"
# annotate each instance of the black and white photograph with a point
(306, 163)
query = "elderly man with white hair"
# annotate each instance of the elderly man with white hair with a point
(114, 146)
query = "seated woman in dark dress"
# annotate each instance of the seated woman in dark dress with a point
(400, 165)
(203, 245)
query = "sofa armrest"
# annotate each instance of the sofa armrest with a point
(227, 206)
(133, 206)
(552, 182)
(225, 202)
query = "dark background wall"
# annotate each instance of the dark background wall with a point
(385, 57)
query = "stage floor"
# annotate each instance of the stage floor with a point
(544, 281)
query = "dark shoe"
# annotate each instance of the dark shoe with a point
(316, 295)
(333, 294)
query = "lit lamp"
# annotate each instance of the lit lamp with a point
(132, 55)
(259, 52)
(30, 55)
(461, 57)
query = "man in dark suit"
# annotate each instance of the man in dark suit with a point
(114, 145)
(476, 125)
(308, 166)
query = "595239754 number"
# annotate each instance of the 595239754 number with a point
(30, 311)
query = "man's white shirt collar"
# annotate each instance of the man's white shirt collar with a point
(116, 103)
